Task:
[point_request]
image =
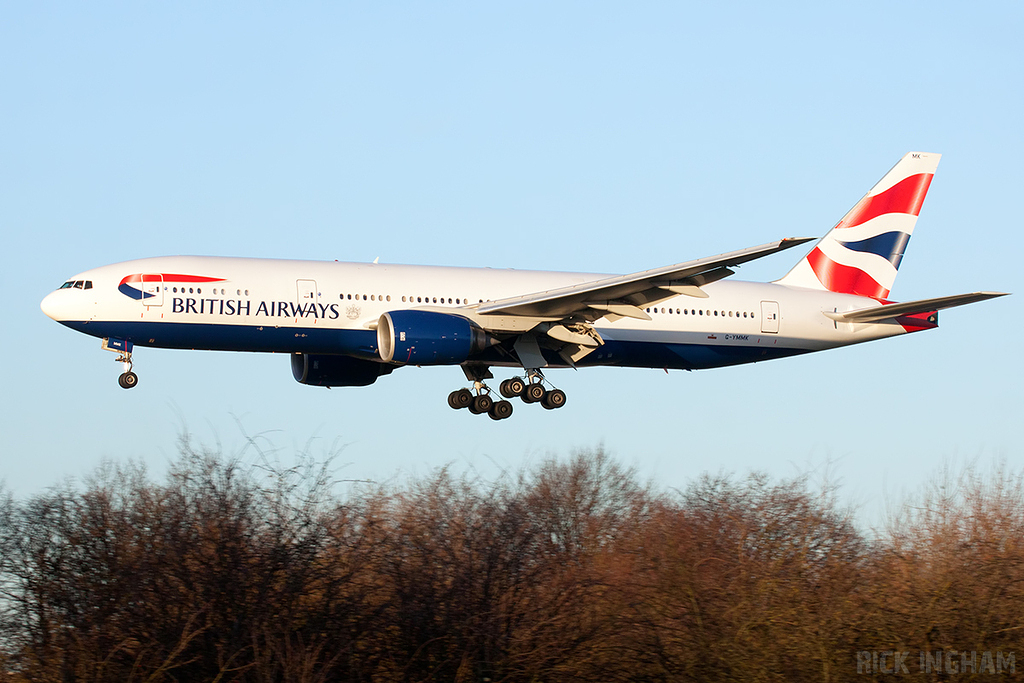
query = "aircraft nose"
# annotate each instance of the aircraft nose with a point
(54, 305)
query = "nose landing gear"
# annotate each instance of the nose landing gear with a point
(123, 349)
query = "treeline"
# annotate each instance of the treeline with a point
(573, 570)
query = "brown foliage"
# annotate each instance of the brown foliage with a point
(572, 571)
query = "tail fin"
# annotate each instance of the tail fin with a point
(861, 254)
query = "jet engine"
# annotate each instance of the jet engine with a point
(428, 338)
(336, 371)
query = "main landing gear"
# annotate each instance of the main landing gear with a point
(533, 391)
(530, 391)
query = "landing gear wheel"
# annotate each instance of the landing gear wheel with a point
(553, 399)
(128, 380)
(511, 388)
(460, 398)
(534, 393)
(481, 404)
(500, 410)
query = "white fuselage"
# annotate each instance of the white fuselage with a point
(287, 306)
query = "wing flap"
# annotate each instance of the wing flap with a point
(888, 311)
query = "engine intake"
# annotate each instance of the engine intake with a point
(336, 371)
(428, 338)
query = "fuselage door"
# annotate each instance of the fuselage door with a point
(770, 316)
(307, 291)
(153, 289)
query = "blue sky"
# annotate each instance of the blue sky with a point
(573, 136)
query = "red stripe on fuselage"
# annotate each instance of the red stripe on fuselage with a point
(169, 277)
(844, 279)
(906, 196)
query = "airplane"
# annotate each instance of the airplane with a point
(347, 324)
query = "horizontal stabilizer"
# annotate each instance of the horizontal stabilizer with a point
(887, 311)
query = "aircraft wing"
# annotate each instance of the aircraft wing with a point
(887, 311)
(625, 295)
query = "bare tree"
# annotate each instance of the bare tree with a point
(573, 570)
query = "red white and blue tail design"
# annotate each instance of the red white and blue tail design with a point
(861, 254)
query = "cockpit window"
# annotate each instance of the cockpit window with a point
(67, 285)
(88, 284)
(79, 284)
(76, 284)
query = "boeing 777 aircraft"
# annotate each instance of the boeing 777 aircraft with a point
(346, 324)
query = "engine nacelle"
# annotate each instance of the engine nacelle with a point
(428, 338)
(336, 371)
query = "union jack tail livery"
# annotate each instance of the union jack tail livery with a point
(861, 254)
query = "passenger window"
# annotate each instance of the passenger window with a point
(372, 298)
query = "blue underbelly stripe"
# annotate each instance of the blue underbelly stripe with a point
(363, 344)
